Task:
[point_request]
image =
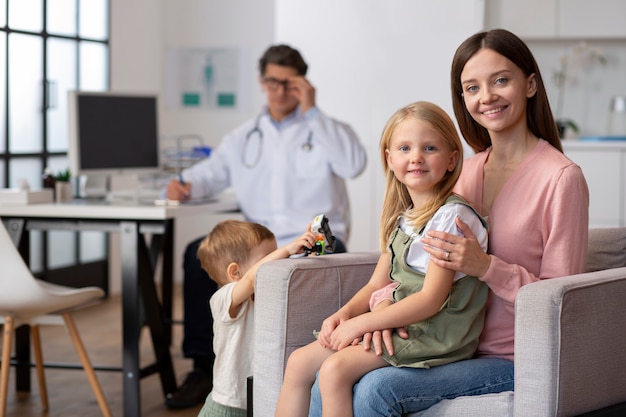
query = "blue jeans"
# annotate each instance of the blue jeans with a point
(391, 391)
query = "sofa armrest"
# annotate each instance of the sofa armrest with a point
(569, 344)
(292, 298)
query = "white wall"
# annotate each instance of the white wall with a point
(136, 44)
(367, 58)
(142, 31)
(247, 25)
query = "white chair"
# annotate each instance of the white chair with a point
(27, 300)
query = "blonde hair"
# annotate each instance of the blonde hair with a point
(397, 199)
(230, 241)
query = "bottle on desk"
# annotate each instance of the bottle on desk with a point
(616, 125)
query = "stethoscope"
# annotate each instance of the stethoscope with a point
(256, 131)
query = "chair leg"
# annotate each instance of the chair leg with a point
(91, 375)
(41, 377)
(7, 341)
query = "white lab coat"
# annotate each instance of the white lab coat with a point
(283, 184)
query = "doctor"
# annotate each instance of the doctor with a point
(286, 165)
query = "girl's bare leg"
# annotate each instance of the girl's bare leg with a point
(339, 373)
(302, 367)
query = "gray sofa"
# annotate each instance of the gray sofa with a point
(570, 332)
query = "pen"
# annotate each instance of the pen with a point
(182, 182)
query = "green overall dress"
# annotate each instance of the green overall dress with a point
(451, 334)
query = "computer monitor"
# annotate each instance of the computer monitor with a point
(112, 133)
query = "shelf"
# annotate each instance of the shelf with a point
(593, 144)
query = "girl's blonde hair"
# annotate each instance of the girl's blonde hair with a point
(230, 241)
(397, 199)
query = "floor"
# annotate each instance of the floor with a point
(69, 392)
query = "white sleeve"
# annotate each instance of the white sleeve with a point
(221, 301)
(210, 176)
(444, 221)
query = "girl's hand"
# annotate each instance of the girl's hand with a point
(457, 253)
(346, 333)
(328, 327)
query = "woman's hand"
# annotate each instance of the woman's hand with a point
(380, 337)
(383, 337)
(457, 253)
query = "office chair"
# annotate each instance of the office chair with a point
(27, 300)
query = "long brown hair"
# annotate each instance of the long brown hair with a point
(539, 117)
(397, 199)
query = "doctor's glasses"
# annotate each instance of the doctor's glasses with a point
(274, 83)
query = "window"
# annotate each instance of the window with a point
(48, 47)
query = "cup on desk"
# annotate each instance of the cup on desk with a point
(63, 191)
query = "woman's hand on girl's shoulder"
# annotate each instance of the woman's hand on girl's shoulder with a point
(457, 253)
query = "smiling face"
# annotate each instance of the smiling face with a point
(496, 91)
(419, 158)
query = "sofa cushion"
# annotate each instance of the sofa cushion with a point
(607, 248)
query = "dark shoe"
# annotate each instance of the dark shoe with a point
(193, 391)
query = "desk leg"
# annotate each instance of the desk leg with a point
(131, 317)
(21, 239)
(167, 289)
(162, 247)
(156, 317)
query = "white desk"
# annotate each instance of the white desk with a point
(139, 295)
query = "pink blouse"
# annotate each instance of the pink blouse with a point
(538, 228)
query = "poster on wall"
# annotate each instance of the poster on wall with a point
(208, 78)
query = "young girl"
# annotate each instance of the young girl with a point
(442, 310)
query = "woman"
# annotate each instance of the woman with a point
(536, 203)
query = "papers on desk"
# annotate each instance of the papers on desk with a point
(133, 196)
(203, 200)
(18, 196)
